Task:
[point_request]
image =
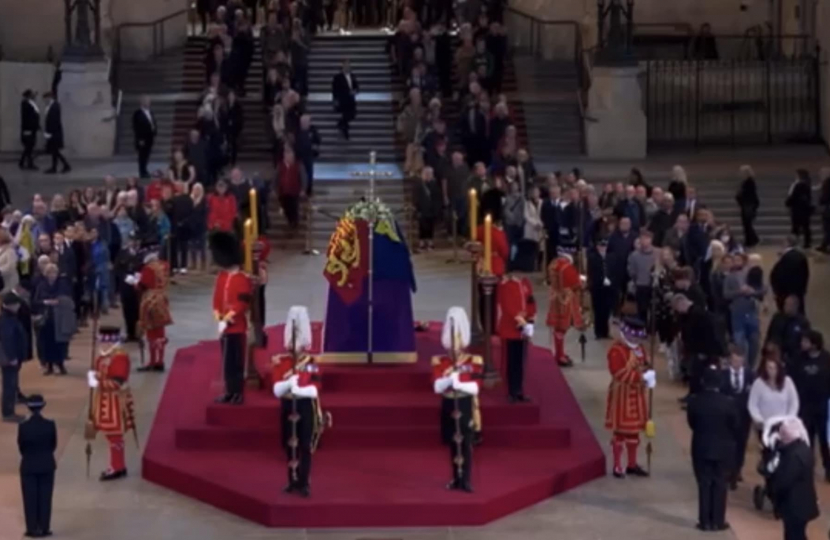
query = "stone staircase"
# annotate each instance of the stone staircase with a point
(374, 127)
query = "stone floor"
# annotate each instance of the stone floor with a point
(654, 509)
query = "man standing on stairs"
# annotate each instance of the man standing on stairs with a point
(344, 89)
(296, 379)
(455, 377)
(29, 126)
(144, 133)
(53, 132)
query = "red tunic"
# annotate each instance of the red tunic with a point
(501, 250)
(626, 410)
(564, 310)
(307, 369)
(232, 299)
(154, 311)
(112, 405)
(469, 369)
(222, 212)
(516, 306)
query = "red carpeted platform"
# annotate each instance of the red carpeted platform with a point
(382, 464)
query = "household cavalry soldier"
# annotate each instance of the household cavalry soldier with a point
(456, 376)
(626, 412)
(564, 311)
(518, 311)
(296, 378)
(232, 297)
(154, 310)
(112, 401)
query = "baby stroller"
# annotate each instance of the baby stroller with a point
(770, 456)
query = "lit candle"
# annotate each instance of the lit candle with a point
(488, 245)
(473, 214)
(254, 210)
(249, 246)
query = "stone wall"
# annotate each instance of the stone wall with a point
(15, 78)
(28, 29)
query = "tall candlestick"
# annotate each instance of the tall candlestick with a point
(473, 203)
(254, 211)
(249, 246)
(488, 245)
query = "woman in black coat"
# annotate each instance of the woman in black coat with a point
(748, 202)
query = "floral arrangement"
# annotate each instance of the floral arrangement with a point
(367, 210)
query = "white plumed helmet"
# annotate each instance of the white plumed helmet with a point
(297, 316)
(457, 320)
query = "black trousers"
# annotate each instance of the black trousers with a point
(144, 152)
(306, 426)
(642, 295)
(37, 500)
(426, 228)
(8, 399)
(55, 152)
(795, 530)
(697, 364)
(816, 425)
(463, 448)
(290, 205)
(129, 308)
(233, 361)
(825, 227)
(179, 243)
(515, 351)
(27, 158)
(602, 302)
(233, 147)
(748, 223)
(800, 226)
(744, 425)
(711, 491)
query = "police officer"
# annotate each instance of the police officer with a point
(127, 264)
(714, 422)
(13, 350)
(37, 439)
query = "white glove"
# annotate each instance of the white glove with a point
(650, 378)
(527, 330)
(222, 326)
(606, 282)
(293, 380)
(92, 379)
(442, 385)
(281, 388)
(130, 280)
(455, 377)
(470, 388)
(583, 279)
(137, 277)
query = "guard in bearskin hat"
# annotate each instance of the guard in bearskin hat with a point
(232, 296)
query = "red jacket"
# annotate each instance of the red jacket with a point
(222, 212)
(113, 403)
(307, 370)
(469, 368)
(516, 307)
(232, 299)
(501, 249)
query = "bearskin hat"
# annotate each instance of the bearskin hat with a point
(492, 203)
(226, 249)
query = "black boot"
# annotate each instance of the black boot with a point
(236, 399)
(637, 471)
(224, 398)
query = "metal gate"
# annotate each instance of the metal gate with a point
(712, 102)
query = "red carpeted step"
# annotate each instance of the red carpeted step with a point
(373, 409)
(373, 488)
(339, 437)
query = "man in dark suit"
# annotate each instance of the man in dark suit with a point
(344, 88)
(792, 484)
(790, 275)
(800, 203)
(53, 132)
(824, 204)
(811, 376)
(37, 440)
(29, 126)
(714, 422)
(144, 133)
(601, 287)
(736, 381)
(13, 350)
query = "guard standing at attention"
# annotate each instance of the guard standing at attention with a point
(37, 439)
(515, 328)
(232, 296)
(455, 377)
(112, 403)
(713, 419)
(296, 378)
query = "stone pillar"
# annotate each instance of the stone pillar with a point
(85, 96)
(615, 127)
